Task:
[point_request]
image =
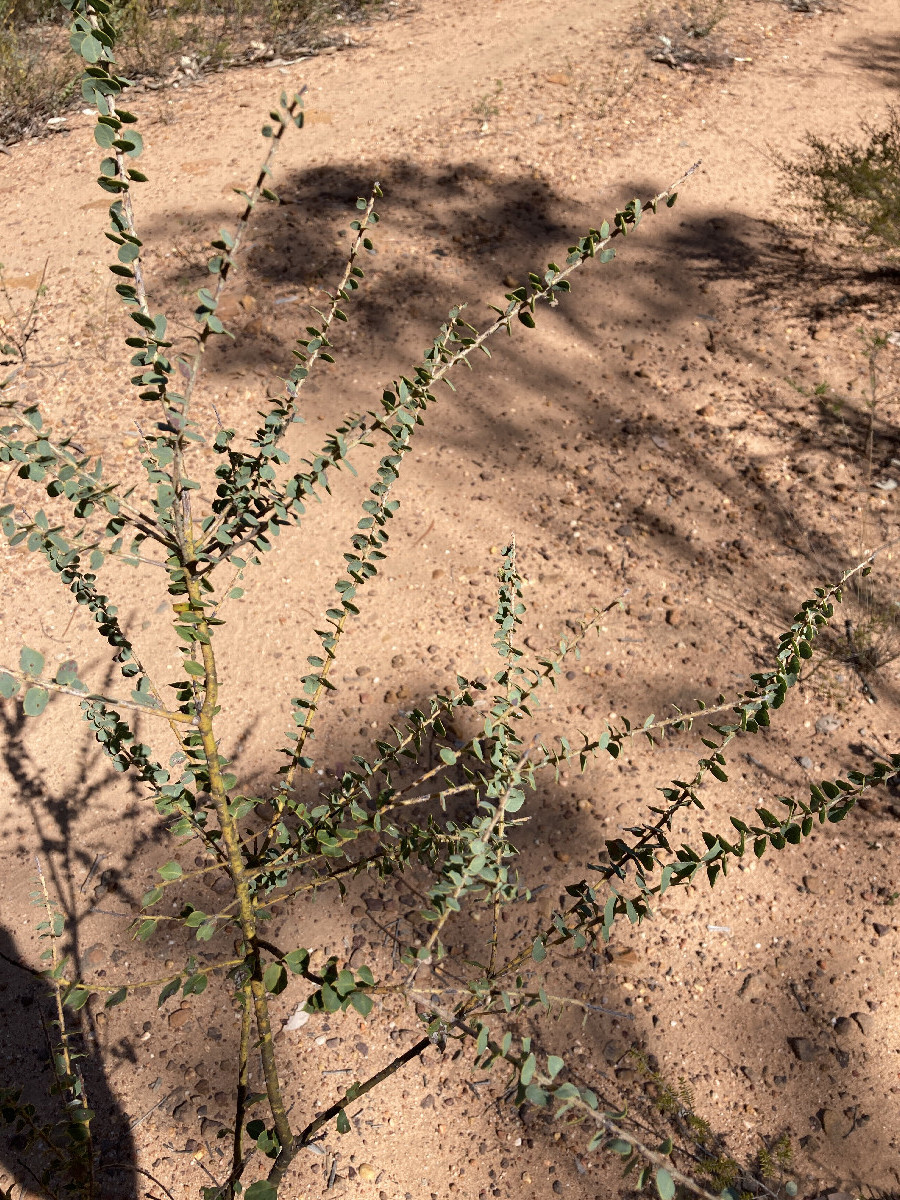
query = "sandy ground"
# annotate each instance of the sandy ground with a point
(644, 441)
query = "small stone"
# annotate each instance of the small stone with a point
(864, 1021)
(843, 1026)
(364, 670)
(613, 1051)
(881, 930)
(828, 724)
(626, 1075)
(180, 1017)
(374, 904)
(805, 762)
(362, 1048)
(673, 617)
(487, 476)
(557, 1186)
(561, 856)
(427, 1101)
(438, 573)
(398, 661)
(365, 698)
(624, 531)
(623, 956)
(834, 1124)
(802, 1048)
(297, 1019)
(367, 1172)
(95, 956)
(812, 883)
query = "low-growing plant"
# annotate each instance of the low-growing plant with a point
(851, 185)
(34, 85)
(19, 323)
(39, 72)
(454, 815)
(683, 35)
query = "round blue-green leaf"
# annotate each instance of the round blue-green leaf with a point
(67, 673)
(528, 1069)
(8, 686)
(261, 1190)
(104, 136)
(35, 701)
(665, 1185)
(31, 661)
(362, 1003)
(275, 978)
(135, 143)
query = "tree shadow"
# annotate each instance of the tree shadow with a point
(520, 219)
(74, 877)
(877, 55)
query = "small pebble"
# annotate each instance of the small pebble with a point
(179, 1018)
(864, 1021)
(828, 724)
(802, 1048)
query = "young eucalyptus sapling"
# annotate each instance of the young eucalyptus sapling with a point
(389, 810)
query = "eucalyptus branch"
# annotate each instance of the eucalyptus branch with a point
(50, 685)
(454, 346)
(389, 811)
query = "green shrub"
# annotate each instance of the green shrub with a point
(387, 813)
(684, 34)
(36, 81)
(39, 72)
(850, 185)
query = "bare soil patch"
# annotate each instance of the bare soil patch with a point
(690, 430)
